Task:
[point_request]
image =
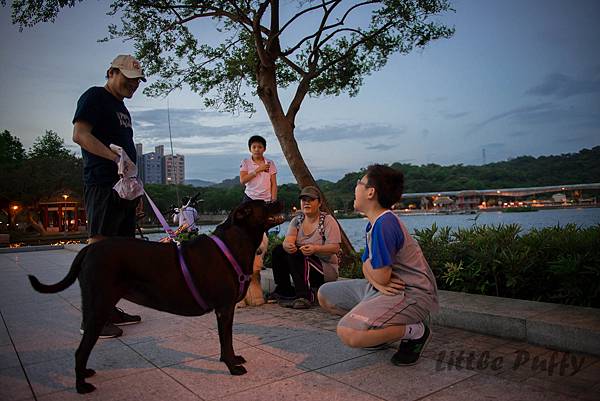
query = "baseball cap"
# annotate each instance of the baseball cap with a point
(311, 192)
(128, 66)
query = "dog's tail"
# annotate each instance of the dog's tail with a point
(65, 282)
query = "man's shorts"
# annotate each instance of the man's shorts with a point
(107, 213)
(368, 308)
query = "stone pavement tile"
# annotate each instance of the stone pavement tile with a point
(13, 385)
(44, 351)
(156, 329)
(241, 315)
(590, 372)
(146, 313)
(57, 375)
(486, 387)
(305, 387)
(4, 337)
(152, 385)
(571, 374)
(316, 351)
(8, 357)
(375, 374)
(209, 378)
(182, 348)
(512, 347)
(591, 394)
(269, 330)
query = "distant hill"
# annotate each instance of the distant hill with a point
(229, 183)
(199, 183)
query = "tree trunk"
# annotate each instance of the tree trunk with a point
(284, 130)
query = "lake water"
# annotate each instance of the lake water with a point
(355, 228)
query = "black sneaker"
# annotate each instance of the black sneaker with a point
(276, 297)
(409, 351)
(301, 303)
(120, 318)
(108, 331)
(298, 303)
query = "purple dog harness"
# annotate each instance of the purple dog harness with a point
(242, 277)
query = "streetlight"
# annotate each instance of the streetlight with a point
(65, 196)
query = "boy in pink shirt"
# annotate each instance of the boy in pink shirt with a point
(258, 173)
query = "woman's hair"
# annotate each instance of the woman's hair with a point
(388, 184)
(257, 138)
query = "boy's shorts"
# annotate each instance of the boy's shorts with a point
(108, 214)
(368, 308)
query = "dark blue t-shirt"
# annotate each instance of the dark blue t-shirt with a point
(111, 123)
(384, 239)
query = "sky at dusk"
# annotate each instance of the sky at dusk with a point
(517, 78)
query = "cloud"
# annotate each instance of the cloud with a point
(494, 145)
(381, 146)
(562, 86)
(518, 134)
(342, 131)
(453, 116)
(154, 123)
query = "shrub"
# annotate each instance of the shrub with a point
(553, 264)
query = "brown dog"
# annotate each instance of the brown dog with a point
(149, 274)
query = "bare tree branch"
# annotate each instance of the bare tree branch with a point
(307, 10)
(258, 39)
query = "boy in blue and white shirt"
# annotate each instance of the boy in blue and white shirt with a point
(399, 291)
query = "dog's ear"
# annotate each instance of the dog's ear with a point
(242, 212)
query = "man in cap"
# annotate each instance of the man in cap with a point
(102, 119)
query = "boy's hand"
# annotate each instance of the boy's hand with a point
(394, 287)
(261, 168)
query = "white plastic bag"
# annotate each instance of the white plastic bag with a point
(129, 186)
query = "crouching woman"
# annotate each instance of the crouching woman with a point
(308, 253)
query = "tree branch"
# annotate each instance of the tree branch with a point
(298, 15)
(352, 47)
(258, 39)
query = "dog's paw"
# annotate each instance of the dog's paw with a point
(89, 373)
(237, 370)
(238, 360)
(84, 388)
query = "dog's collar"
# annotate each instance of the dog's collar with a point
(242, 277)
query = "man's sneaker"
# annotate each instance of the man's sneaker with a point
(276, 297)
(298, 303)
(108, 331)
(120, 318)
(409, 351)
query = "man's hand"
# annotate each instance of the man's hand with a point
(139, 210)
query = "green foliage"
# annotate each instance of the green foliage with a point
(259, 42)
(49, 145)
(524, 171)
(11, 151)
(47, 170)
(553, 264)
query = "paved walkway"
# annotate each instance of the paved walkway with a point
(292, 355)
